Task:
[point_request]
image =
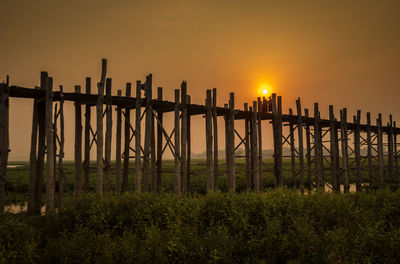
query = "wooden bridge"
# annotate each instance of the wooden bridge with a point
(321, 146)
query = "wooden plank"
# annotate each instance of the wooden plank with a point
(259, 138)
(345, 156)
(99, 129)
(32, 156)
(107, 146)
(127, 138)
(159, 141)
(292, 150)
(61, 176)
(215, 131)
(333, 151)
(357, 151)
(301, 147)
(231, 145)
(138, 169)
(4, 139)
(247, 150)
(209, 165)
(380, 150)
(50, 179)
(78, 146)
(86, 165)
(177, 177)
(308, 150)
(254, 152)
(184, 113)
(118, 143)
(369, 149)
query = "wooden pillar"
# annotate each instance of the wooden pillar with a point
(210, 172)
(189, 145)
(61, 176)
(50, 179)
(152, 145)
(32, 157)
(334, 150)
(226, 119)
(308, 150)
(177, 177)
(292, 150)
(148, 134)
(345, 157)
(99, 133)
(138, 169)
(390, 148)
(215, 128)
(107, 154)
(4, 139)
(357, 151)
(231, 145)
(301, 147)
(78, 145)
(184, 115)
(127, 139)
(118, 156)
(247, 149)
(86, 166)
(396, 158)
(159, 141)
(380, 149)
(254, 152)
(259, 134)
(369, 149)
(317, 148)
(277, 131)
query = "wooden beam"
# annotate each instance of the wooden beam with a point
(127, 139)
(209, 166)
(277, 131)
(61, 176)
(301, 148)
(4, 139)
(396, 157)
(159, 141)
(148, 133)
(189, 145)
(184, 114)
(380, 150)
(118, 143)
(215, 128)
(292, 150)
(177, 177)
(99, 133)
(357, 151)
(334, 150)
(247, 150)
(78, 146)
(50, 177)
(308, 150)
(345, 157)
(86, 166)
(254, 152)
(390, 148)
(369, 149)
(259, 138)
(231, 145)
(107, 154)
(317, 148)
(138, 174)
(32, 156)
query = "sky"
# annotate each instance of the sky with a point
(344, 53)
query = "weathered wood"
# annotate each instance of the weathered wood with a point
(4, 139)
(380, 149)
(189, 145)
(177, 177)
(86, 165)
(333, 150)
(259, 138)
(345, 156)
(254, 152)
(99, 130)
(277, 132)
(153, 161)
(390, 148)
(215, 131)
(308, 150)
(54, 121)
(148, 133)
(292, 150)
(127, 139)
(50, 179)
(396, 157)
(118, 156)
(107, 145)
(78, 146)
(301, 147)
(247, 149)
(32, 157)
(231, 145)
(317, 148)
(138, 170)
(209, 167)
(184, 114)
(61, 176)
(357, 151)
(369, 148)
(159, 141)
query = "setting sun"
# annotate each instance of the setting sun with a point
(264, 89)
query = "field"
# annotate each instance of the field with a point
(277, 226)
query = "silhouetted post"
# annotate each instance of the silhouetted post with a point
(215, 128)
(380, 149)
(345, 157)
(118, 156)
(4, 139)
(107, 154)
(189, 145)
(247, 149)
(148, 133)
(153, 160)
(231, 145)
(390, 147)
(99, 133)
(159, 140)
(210, 174)
(138, 174)
(50, 179)
(254, 152)
(369, 148)
(177, 177)
(127, 139)
(301, 147)
(334, 150)
(78, 145)
(357, 151)
(277, 131)
(396, 158)
(260, 163)
(32, 157)
(86, 166)
(317, 147)
(184, 114)
(61, 176)
(308, 150)
(292, 150)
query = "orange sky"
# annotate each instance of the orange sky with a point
(344, 53)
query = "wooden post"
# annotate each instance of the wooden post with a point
(292, 150)
(138, 174)
(152, 145)
(334, 150)
(396, 158)
(308, 150)
(50, 187)
(357, 151)
(99, 133)
(254, 152)
(4, 139)
(380, 149)
(118, 155)
(210, 175)
(127, 139)
(159, 141)
(390, 148)
(189, 145)
(61, 176)
(277, 131)
(301, 150)
(148, 133)
(231, 145)
(177, 178)
(184, 137)
(369, 148)
(345, 157)
(86, 166)
(247, 149)
(215, 128)
(32, 157)
(78, 145)
(107, 154)
(260, 158)
(317, 148)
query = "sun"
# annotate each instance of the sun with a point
(264, 89)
